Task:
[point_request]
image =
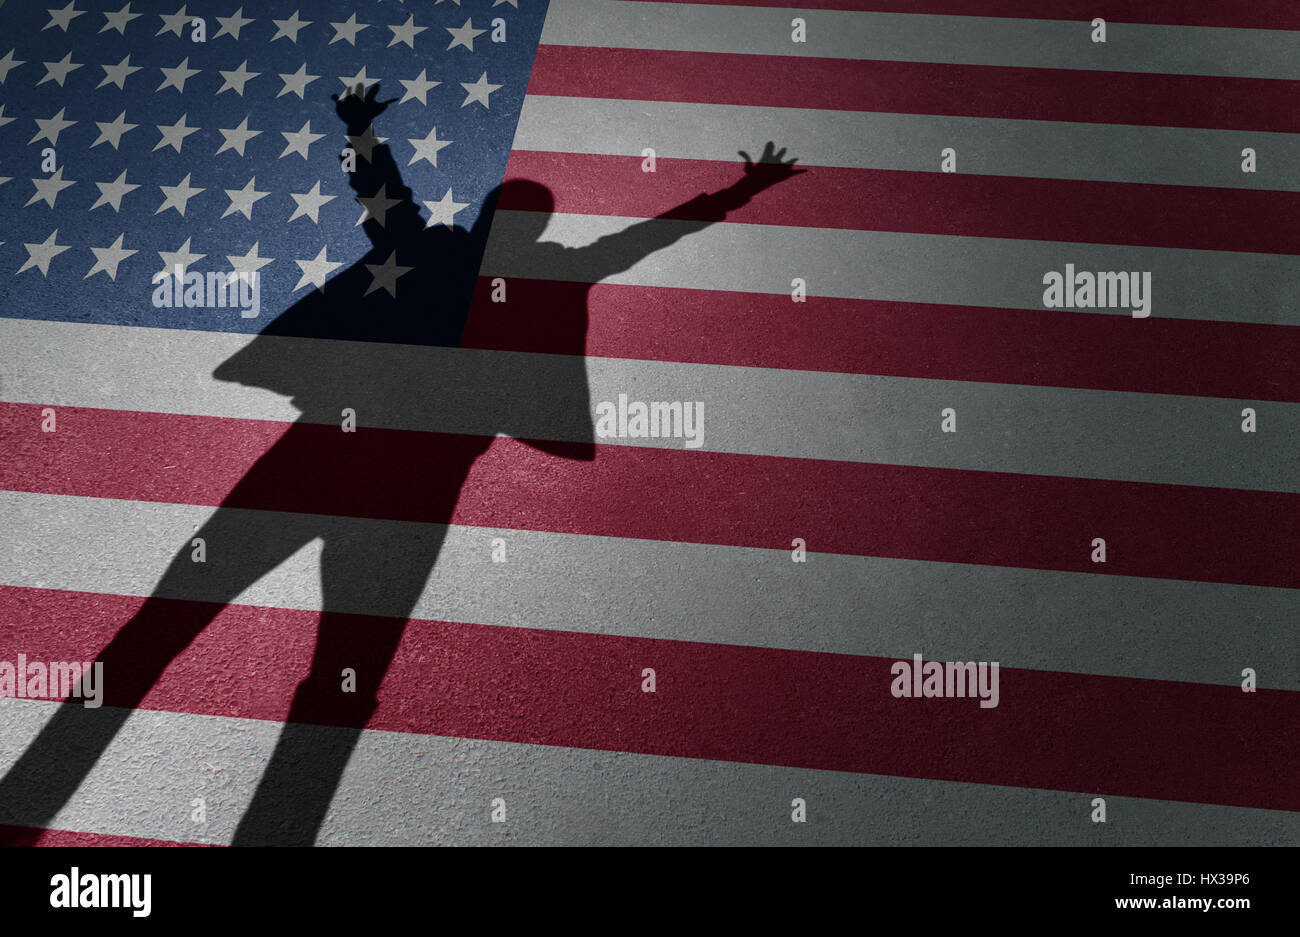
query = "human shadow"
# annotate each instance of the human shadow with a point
(404, 307)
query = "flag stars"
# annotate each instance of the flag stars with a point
(119, 20)
(250, 263)
(119, 73)
(111, 132)
(348, 30)
(358, 84)
(173, 23)
(174, 135)
(300, 141)
(107, 258)
(8, 64)
(288, 29)
(385, 275)
(3, 119)
(50, 128)
(427, 149)
(417, 88)
(236, 137)
(478, 91)
(236, 79)
(178, 196)
(232, 24)
(366, 142)
(464, 36)
(176, 77)
(58, 71)
(309, 203)
(242, 200)
(62, 18)
(110, 193)
(444, 211)
(40, 255)
(181, 258)
(405, 33)
(376, 207)
(315, 271)
(297, 82)
(48, 189)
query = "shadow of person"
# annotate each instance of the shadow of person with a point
(402, 308)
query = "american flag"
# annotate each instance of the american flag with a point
(381, 551)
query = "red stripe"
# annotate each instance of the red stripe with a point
(1189, 217)
(1258, 14)
(1108, 735)
(918, 88)
(1243, 361)
(993, 518)
(33, 836)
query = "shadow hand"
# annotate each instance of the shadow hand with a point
(358, 109)
(770, 169)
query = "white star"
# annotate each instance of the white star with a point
(236, 79)
(119, 73)
(47, 190)
(297, 82)
(350, 28)
(176, 77)
(62, 18)
(444, 211)
(428, 148)
(417, 88)
(174, 23)
(406, 32)
(119, 20)
(241, 200)
(179, 258)
(112, 132)
(464, 36)
(366, 142)
(358, 81)
(236, 137)
(51, 127)
(174, 136)
(315, 271)
(288, 29)
(513, 3)
(376, 206)
(110, 193)
(298, 142)
(386, 275)
(7, 64)
(309, 203)
(3, 119)
(58, 71)
(178, 196)
(107, 258)
(249, 263)
(40, 255)
(478, 91)
(232, 24)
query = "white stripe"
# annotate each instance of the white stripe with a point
(803, 414)
(1031, 619)
(1005, 273)
(911, 142)
(403, 789)
(914, 37)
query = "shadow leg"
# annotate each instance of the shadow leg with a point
(242, 546)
